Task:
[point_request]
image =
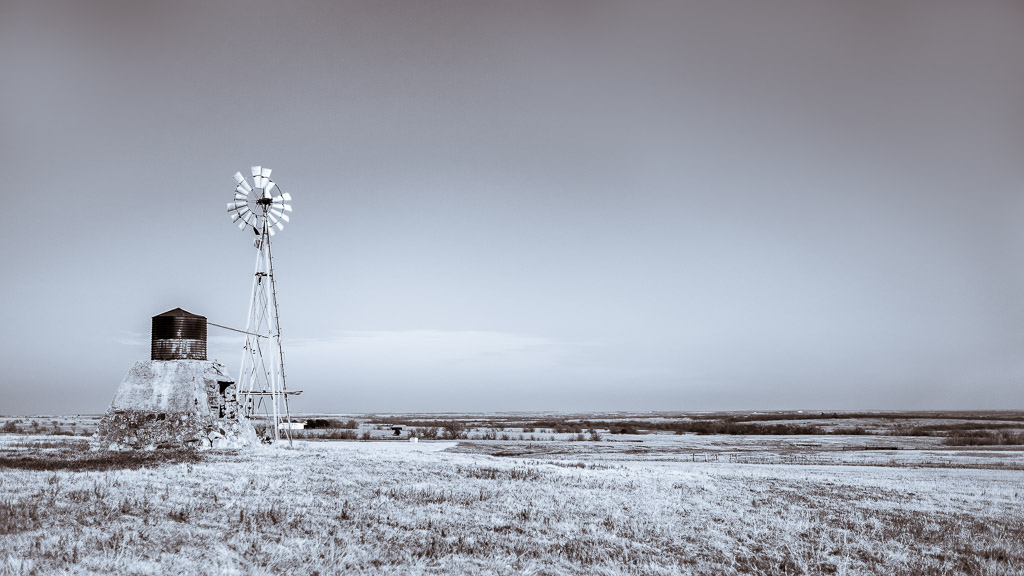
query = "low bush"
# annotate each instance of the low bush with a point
(454, 430)
(427, 432)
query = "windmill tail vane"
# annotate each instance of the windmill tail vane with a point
(260, 204)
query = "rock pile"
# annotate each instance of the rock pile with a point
(135, 430)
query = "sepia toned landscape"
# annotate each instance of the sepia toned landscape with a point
(778, 493)
(531, 288)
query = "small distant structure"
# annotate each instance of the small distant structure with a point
(291, 426)
(177, 398)
(397, 429)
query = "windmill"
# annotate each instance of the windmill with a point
(259, 205)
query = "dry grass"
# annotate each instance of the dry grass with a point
(388, 508)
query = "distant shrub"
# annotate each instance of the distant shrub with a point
(366, 435)
(454, 430)
(10, 427)
(594, 435)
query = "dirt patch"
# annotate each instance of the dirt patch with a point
(77, 461)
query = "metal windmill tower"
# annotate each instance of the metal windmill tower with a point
(259, 205)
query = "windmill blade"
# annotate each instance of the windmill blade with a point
(245, 187)
(239, 178)
(241, 196)
(234, 216)
(279, 226)
(285, 217)
(276, 212)
(271, 231)
(269, 186)
(256, 171)
(265, 172)
(241, 224)
(287, 207)
(287, 197)
(232, 206)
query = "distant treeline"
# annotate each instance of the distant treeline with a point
(560, 426)
(984, 438)
(746, 424)
(705, 427)
(981, 416)
(315, 423)
(953, 427)
(549, 421)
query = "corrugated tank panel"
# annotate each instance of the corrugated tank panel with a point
(178, 338)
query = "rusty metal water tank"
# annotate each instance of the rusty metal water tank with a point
(179, 335)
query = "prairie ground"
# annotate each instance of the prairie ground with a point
(552, 507)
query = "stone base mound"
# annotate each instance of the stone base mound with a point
(134, 430)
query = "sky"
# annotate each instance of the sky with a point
(535, 205)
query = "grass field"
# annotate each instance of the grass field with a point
(639, 505)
